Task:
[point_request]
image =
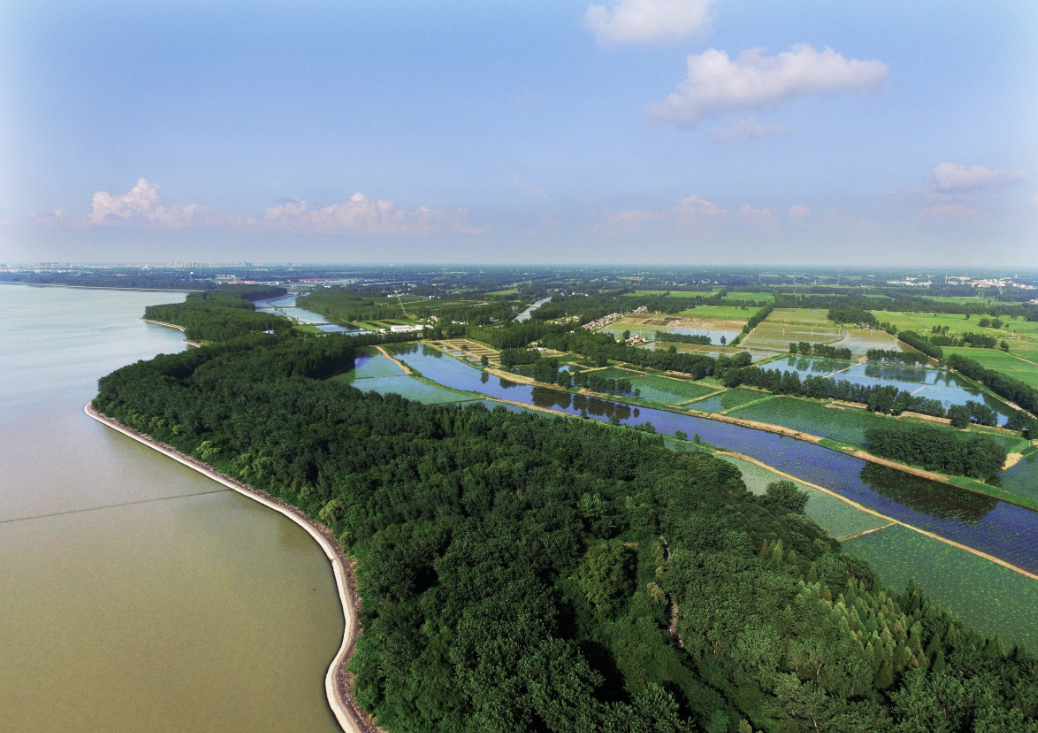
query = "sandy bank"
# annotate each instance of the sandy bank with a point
(336, 680)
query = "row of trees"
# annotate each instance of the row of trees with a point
(1004, 386)
(938, 450)
(680, 338)
(878, 398)
(822, 351)
(524, 573)
(893, 356)
(921, 343)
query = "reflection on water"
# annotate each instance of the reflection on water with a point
(931, 497)
(992, 526)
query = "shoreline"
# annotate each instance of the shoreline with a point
(337, 679)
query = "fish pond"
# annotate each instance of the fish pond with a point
(993, 599)
(975, 520)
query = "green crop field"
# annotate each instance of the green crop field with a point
(989, 597)
(669, 391)
(800, 316)
(721, 312)
(835, 516)
(807, 416)
(777, 333)
(957, 324)
(758, 297)
(729, 399)
(616, 373)
(1012, 364)
(506, 291)
(674, 293)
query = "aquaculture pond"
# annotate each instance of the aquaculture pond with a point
(729, 400)
(804, 366)
(669, 391)
(991, 598)
(410, 388)
(832, 514)
(815, 418)
(1022, 478)
(986, 524)
(935, 384)
(370, 362)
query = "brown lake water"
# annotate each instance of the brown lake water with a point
(135, 594)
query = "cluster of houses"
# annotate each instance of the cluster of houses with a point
(603, 321)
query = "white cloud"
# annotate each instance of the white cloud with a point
(140, 207)
(642, 21)
(114, 209)
(761, 217)
(951, 177)
(746, 129)
(799, 212)
(361, 215)
(716, 83)
(694, 210)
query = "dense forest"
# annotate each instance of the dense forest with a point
(524, 573)
(220, 315)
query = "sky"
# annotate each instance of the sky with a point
(537, 131)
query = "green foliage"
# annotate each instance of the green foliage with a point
(217, 315)
(522, 573)
(937, 450)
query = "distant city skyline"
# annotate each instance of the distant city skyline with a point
(620, 131)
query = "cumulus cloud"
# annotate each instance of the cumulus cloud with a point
(717, 83)
(361, 215)
(646, 21)
(140, 207)
(951, 177)
(799, 212)
(760, 217)
(528, 189)
(746, 129)
(692, 211)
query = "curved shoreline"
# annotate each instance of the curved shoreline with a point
(337, 679)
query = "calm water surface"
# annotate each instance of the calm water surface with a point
(136, 594)
(995, 527)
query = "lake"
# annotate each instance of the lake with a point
(137, 594)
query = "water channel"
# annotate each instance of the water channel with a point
(983, 523)
(137, 594)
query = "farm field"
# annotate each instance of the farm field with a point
(984, 594)
(740, 313)
(805, 366)
(958, 324)
(669, 391)
(711, 350)
(861, 340)
(646, 325)
(786, 325)
(1011, 364)
(807, 416)
(674, 293)
(729, 399)
(616, 373)
(758, 297)
(835, 516)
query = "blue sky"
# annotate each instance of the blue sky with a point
(619, 131)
